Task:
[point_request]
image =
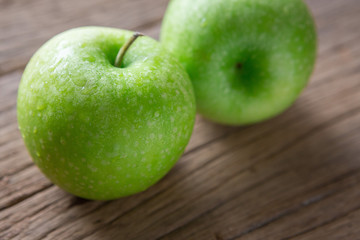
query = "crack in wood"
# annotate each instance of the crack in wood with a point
(19, 199)
(220, 204)
(307, 202)
(337, 218)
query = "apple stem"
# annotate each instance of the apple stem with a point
(125, 47)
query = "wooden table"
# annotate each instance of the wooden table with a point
(296, 176)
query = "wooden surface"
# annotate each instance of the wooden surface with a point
(294, 177)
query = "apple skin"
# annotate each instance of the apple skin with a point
(248, 60)
(98, 131)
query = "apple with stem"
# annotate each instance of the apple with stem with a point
(248, 59)
(103, 123)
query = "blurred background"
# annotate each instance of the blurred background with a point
(26, 25)
(293, 177)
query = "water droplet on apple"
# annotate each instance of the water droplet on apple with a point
(40, 106)
(90, 59)
(203, 22)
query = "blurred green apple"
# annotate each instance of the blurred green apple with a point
(100, 131)
(248, 59)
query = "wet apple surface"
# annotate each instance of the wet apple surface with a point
(248, 60)
(101, 131)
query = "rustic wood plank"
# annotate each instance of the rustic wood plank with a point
(217, 148)
(15, 188)
(56, 201)
(292, 176)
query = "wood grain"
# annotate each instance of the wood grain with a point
(293, 177)
(26, 25)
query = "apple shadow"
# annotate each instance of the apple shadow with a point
(246, 174)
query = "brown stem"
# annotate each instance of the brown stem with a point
(124, 48)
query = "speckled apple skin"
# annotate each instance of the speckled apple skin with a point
(98, 131)
(248, 59)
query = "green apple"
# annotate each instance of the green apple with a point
(97, 130)
(248, 59)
